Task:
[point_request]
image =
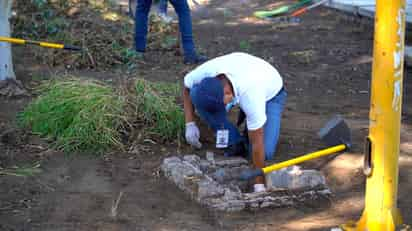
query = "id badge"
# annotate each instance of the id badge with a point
(222, 138)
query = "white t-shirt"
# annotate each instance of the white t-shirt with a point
(254, 82)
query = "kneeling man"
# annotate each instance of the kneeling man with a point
(214, 87)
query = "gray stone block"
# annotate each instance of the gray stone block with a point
(205, 166)
(172, 159)
(294, 178)
(220, 175)
(182, 174)
(228, 174)
(230, 206)
(210, 156)
(278, 179)
(267, 204)
(207, 189)
(307, 179)
(235, 186)
(231, 195)
(231, 162)
(254, 205)
(193, 159)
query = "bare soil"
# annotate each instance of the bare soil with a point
(325, 61)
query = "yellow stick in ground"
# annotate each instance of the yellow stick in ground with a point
(381, 159)
(42, 44)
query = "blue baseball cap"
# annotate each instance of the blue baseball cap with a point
(208, 95)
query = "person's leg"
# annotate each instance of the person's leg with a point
(141, 18)
(162, 7)
(185, 25)
(274, 108)
(162, 11)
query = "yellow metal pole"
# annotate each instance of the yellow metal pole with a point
(381, 159)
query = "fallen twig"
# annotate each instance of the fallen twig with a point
(116, 205)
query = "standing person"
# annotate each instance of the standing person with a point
(214, 87)
(185, 26)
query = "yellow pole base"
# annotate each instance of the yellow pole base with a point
(393, 220)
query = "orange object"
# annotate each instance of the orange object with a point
(305, 9)
(299, 12)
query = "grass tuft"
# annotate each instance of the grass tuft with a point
(78, 115)
(88, 116)
(157, 107)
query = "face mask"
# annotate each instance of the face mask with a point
(231, 104)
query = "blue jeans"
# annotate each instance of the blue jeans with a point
(271, 128)
(162, 7)
(185, 25)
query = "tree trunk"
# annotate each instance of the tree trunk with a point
(9, 86)
(6, 63)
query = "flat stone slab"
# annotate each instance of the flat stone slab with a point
(215, 184)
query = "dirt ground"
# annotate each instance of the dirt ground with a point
(325, 61)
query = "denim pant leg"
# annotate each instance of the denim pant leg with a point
(274, 108)
(142, 12)
(162, 6)
(185, 25)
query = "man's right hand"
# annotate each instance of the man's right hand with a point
(192, 135)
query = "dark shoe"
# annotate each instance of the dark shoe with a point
(138, 54)
(194, 59)
(239, 149)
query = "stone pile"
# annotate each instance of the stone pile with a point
(214, 183)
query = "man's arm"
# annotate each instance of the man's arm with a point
(192, 133)
(258, 151)
(187, 105)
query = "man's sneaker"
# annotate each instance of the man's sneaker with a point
(139, 54)
(194, 59)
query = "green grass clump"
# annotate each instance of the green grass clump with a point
(79, 115)
(157, 106)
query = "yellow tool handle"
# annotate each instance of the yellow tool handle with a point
(12, 40)
(247, 175)
(51, 45)
(304, 158)
(42, 44)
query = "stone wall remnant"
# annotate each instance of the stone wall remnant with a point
(214, 182)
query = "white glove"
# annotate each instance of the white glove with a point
(259, 188)
(192, 135)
